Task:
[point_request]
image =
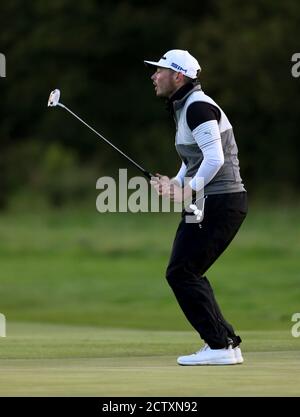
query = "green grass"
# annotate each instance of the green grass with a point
(82, 267)
(51, 360)
(89, 311)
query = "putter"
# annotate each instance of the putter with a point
(54, 101)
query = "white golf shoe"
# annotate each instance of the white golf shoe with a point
(238, 355)
(208, 356)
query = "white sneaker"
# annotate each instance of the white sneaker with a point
(208, 356)
(238, 355)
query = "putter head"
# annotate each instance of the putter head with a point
(54, 98)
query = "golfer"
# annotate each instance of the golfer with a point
(206, 145)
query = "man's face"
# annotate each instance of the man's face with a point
(164, 80)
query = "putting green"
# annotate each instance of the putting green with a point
(50, 360)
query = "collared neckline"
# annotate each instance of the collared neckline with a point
(177, 100)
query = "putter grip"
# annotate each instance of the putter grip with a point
(148, 174)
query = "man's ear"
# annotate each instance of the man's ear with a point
(179, 76)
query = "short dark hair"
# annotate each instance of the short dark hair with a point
(193, 80)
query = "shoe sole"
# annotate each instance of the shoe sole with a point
(219, 362)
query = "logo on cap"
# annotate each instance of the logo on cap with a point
(178, 67)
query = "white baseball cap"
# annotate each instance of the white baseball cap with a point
(179, 61)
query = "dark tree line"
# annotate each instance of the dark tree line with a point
(94, 50)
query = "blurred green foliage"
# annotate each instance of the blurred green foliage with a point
(77, 266)
(94, 50)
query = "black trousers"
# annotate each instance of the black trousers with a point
(195, 249)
